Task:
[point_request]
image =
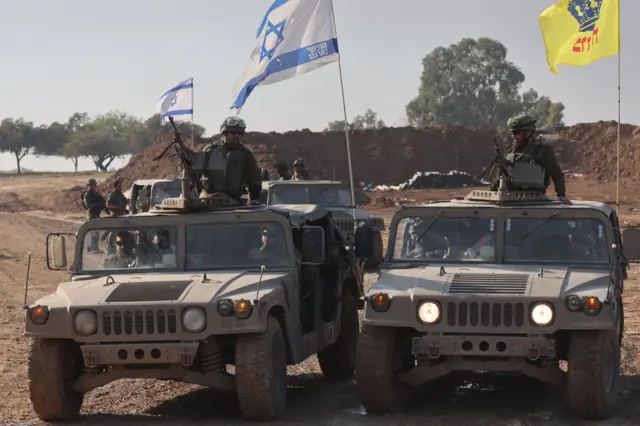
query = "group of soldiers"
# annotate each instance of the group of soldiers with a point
(243, 170)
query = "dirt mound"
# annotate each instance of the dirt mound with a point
(390, 156)
(453, 179)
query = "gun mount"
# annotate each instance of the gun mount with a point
(196, 167)
(511, 181)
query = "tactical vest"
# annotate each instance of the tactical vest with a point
(526, 172)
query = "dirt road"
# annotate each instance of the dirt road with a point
(468, 401)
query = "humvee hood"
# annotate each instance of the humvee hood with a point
(495, 280)
(166, 288)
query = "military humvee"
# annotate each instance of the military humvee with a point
(334, 196)
(197, 285)
(146, 194)
(503, 281)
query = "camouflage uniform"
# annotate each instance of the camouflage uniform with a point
(242, 167)
(117, 198)
(113, 261)
(93, 201)
(533, 150)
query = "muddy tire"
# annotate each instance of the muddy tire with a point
(53, 365)
(594, 373)
(261, 373)
(377, 364)
(338, 361)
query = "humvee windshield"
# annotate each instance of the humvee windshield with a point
(325, 196)
(559, 240)
(459, 239)
(208, 245)
(140, 247)
(164, 190)
(236, 245)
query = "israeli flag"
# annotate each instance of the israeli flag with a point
(295, 37)
(177, 102)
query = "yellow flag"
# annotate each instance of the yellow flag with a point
(578, 32)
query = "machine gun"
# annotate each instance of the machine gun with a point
(193, 165)
(504, 175)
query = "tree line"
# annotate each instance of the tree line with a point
(102, 138)
(470, 83)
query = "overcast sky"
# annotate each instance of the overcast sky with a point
(64, 56)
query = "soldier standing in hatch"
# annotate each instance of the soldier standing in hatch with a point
(300, 171)
(528, 147)
(117, 206)
(242, 167)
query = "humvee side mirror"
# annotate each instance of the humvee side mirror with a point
(56, 250)
(364, 242)
(312, 245)
(631, 240)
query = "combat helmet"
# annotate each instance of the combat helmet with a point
(233, 124)
(299, 163)
(521, 122)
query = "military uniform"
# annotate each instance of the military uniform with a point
(117, 198)
(242, 167)
(533, 150)
(113, 261)
(303, 172)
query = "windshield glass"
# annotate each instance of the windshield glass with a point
(449, 239)
(326, 196)
(129, 248)
(560, 240)
(164, 190)
(236, 245)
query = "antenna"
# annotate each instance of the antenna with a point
(26, 282)
(262, 268)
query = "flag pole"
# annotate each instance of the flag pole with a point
(346, 121)
(618, 139)
(193, 110)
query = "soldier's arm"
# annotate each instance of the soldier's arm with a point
(254, 180)
(555, 171)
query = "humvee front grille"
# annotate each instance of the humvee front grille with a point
(485, 314)
(345, 224)
(489, 283)
(138, 322)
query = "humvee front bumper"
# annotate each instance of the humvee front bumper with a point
(532, 348)
(182, 353)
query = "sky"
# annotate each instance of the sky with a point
(66, 56)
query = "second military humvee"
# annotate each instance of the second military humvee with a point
(197, 285)
(498, 281)
(334, 196)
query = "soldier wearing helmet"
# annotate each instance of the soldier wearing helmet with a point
(528, 147)
(300, 171)
(242, 167)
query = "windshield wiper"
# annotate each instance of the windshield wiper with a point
(540, 225)
(433, 221)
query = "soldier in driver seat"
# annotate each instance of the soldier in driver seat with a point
(271, 248)
(124, 256)
(528, 147)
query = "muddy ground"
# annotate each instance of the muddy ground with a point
(471, 400)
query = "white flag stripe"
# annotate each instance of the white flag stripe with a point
(295, 37)
(177, 102)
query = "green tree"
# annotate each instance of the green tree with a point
(17, 137)
(369, 120)
(472, 83)
(153, 129)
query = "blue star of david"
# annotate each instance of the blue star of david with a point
(277, 30)
(174, 100)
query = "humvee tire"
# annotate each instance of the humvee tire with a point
(261, 373)
(593, 355)
(337, 361)
(52, 363)
(377, 364)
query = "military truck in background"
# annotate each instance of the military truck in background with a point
(198, 284)
(499, 281)
(146, 194)
(334, 196)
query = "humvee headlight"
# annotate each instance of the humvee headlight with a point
(225, 307)
(592, 306)
(194, 320)
(429, 312)
(541, 314)
(85, 323)
(380, 302)
(574, 303)
(38, 314)
(243, 309)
